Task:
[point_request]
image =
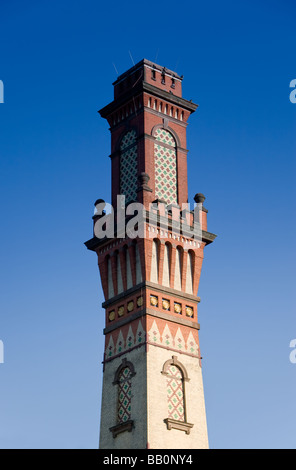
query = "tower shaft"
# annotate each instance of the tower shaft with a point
(150, 267)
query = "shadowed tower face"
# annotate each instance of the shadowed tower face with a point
(152, 378)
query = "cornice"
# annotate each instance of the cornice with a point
(153, 313)
(147, 87)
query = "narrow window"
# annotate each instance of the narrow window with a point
(123, 381)
(154, 262)
(175, 393)
(124, 395)
(176, 376)
(128, 166)
(165, 156)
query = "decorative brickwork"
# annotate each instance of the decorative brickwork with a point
(150, 283)
(124, 395)
(170, 336)
(128, 166)
(165, 137)
(175, 393)
(128, 139)
(165, 167)
(125, 339)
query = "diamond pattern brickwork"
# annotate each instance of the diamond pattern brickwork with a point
(165, 167)
(124, 395)
(165, 137)
(175, 393)
(128, 139)
(128, 166)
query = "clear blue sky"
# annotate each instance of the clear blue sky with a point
(56, 64)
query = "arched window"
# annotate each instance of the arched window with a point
(176, 376)
(165, 159)
(178, 268)
(129, 277)
(175, 393)
(138, 264)
(155, 261)
(189, 272)
(109, 277)
(123, 381)
(119, 273)
(166, 265)
(124, 395)
(128, 166)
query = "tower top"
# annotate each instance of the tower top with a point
(148, 77)
(149, 72)
(153, 65)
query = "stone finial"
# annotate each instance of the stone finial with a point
(199, 198)
(102, 204)
(100, 201)
(143, 179)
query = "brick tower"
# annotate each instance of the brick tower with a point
(152, 381)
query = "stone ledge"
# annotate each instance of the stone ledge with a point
(152, 285)
(121, 427)
(153, 313)
(180, 425)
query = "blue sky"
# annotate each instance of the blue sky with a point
(58, 61)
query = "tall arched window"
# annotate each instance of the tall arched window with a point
(176, 376)
(124, 395)
(165, 159)
(128, 166)
(189, 272)
(129, 277)
(175, 393)
(123, 381)
(118, 273)
(166, 265)
(138, 264)
(178, 268)
(155, 261)
(109, 277)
